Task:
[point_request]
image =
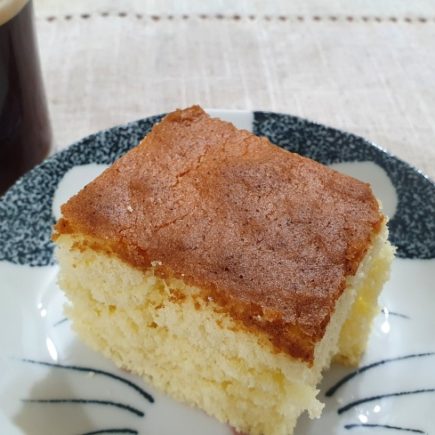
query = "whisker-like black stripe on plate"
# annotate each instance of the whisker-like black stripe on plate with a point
(382, 396)
(394, 313)
(112, 430)
(383, 426)
(141, 391)
(59, 322)
(128, 408)
(331, 391)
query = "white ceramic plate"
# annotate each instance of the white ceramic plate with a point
(52, 384)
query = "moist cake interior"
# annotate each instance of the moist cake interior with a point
(164, 331)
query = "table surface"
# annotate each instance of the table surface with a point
(357, 66)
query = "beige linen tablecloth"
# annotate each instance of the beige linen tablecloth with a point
(357, 66)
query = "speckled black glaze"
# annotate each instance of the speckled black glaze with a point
(412, 228)
(26, 218)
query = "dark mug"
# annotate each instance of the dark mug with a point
(25, 135)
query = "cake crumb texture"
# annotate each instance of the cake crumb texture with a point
(165, 331)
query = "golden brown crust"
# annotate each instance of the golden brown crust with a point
(269, 235)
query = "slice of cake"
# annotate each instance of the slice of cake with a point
(222, 269)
